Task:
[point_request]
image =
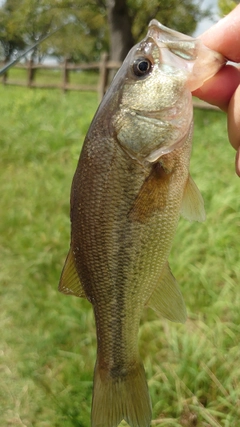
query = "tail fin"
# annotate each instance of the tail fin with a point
(122, 397)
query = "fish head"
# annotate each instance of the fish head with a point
(153, 112)
(190, 54)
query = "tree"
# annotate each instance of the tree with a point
(128, 20)
(120, 28)
(181, 15)
(89, 27)
(226, 6)
(11, 36)
(83, 32)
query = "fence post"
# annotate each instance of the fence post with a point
(31, 73)
(5, 75)
(103, 75)
(65, 75)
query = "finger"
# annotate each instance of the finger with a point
(238, 162)
(234, 119)
(224, 37)
(219, 89)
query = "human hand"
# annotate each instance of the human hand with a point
(223, 89)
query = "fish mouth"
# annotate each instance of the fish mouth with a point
(166, 115)
(198, 62)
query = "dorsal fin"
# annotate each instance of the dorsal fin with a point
(192, 203)
(167, 299)
(69, 282)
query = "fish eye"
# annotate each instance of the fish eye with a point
(142, 67)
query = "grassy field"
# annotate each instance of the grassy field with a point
(47, 345)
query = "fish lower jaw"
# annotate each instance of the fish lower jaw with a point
(163, 115)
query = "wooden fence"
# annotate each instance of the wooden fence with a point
(104, 66)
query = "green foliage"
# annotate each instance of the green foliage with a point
(11, 35)
(47, 348)
(226, 6)
(86, 35)
(82, 38)
(182, 15)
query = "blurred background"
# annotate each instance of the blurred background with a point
(96, 26)
(47, 342)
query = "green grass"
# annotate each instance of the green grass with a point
(47, 346)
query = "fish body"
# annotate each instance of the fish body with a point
(131, 185)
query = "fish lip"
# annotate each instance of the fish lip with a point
(172, 35)
(170, 114)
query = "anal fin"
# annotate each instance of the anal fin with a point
(69, 282)
(192, 203)
(167, 299)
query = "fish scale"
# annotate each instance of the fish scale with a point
(131, 184)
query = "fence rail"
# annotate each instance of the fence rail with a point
(104, 66)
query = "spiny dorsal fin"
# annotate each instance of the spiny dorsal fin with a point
(167, 299)
(69, 282)
(192, 204)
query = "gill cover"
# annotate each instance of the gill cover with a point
(155, 83)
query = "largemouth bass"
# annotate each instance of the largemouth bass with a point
(131, 185)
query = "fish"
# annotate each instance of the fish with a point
(130, 187)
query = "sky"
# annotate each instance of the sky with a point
(206, 23)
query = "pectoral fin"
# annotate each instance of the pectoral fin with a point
(69, 282)
(167, 299)
(192, 204)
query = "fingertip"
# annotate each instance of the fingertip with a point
(234, 119)
(219, 89)
(237, 164)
